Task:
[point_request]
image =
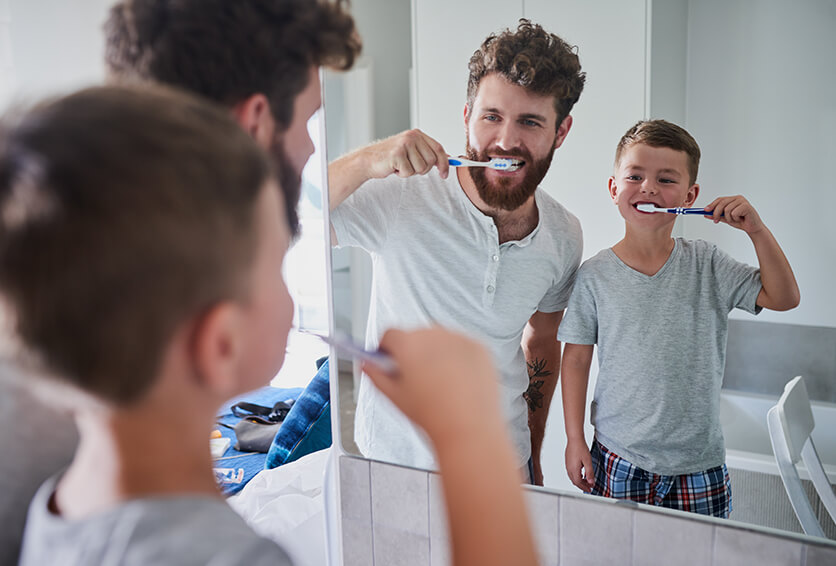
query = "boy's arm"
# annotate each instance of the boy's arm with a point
(487, 517)
(577, 359)
(542, 356)
(780, 290)
(408, 153)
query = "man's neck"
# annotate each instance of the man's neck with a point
(510, 224)
(131, 454)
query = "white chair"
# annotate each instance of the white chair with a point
(790, 424)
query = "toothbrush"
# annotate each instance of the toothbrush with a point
(677, 210)
(346, 345)
(498, 163)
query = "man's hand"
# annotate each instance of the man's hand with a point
(579, 464)
(405, 154)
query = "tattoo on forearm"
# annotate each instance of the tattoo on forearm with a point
(533, 396)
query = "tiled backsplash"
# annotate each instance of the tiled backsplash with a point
(763, 356)
(394, 516)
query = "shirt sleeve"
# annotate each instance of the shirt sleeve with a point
(365, 218)
(739, 283)
(557, 298)
(580, 323)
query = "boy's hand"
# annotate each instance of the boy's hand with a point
(737, 213)
(579, 465)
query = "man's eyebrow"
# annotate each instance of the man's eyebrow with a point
(537, 117)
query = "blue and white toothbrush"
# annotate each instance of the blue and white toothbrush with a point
(677, 210)
(498, 163)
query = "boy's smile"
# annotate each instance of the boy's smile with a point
(651, 175)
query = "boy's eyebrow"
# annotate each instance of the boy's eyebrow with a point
(667, 171)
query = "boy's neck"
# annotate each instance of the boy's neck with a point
(646, 251)
(148, 450)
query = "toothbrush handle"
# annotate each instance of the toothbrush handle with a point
(459, 162)
(680, 210)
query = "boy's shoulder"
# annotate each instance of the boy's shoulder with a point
(190, 529)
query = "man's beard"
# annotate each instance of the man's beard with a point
(508, 193)
(290, 182)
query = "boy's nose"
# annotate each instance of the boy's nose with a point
(648, 187)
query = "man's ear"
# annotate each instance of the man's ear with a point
(563, 131)
(692, 195)
(253, 114)
(613, 189)
(217, 348)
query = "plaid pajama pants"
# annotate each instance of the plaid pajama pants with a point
(707, 493)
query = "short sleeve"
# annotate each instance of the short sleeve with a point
(580, 323)
(557, 297)
(365, 218)
(739, 283)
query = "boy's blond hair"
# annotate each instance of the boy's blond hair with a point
(661, 133)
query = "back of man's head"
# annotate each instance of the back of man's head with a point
(534, 59)
(123, 213)
(228, 50)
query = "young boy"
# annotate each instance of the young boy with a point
(142, 235)
(658, 309)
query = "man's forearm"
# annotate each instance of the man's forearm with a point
(543, 363)
(345, 175)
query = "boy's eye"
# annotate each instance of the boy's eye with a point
(667, 181)
(633, 178)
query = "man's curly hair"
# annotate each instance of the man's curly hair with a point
(534, 59)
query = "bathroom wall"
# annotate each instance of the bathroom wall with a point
(395, 516)
(760, 81)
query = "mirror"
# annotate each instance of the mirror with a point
(755, 90)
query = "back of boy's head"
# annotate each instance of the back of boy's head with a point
(123, 213)
(661, 133)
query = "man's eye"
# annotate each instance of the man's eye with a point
(491, 118)
(530, 123)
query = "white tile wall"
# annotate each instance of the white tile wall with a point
(394, 516)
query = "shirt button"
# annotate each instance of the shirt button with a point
(495, 257)
(491, 289)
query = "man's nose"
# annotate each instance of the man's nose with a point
(508, 136)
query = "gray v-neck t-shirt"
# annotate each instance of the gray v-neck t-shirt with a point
(661, 352)
(177, 530)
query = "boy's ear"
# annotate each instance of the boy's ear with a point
(692, 195)
(613, 189)
(253, 114)
(563, 131)
(217, 348)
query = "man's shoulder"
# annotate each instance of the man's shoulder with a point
(556, 217)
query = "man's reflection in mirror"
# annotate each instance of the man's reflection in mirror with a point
(484, 251)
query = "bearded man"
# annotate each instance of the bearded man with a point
(483, 251)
